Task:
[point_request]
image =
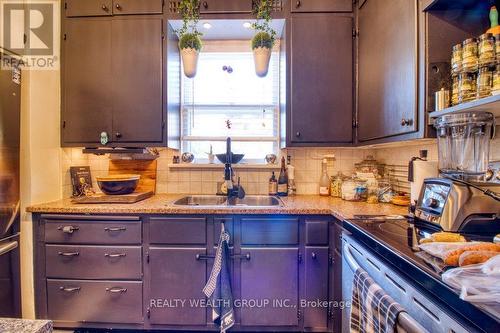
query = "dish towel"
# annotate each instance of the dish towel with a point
(218, 287)
(372, 309)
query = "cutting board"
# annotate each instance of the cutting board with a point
(145, 168)
(104, 198)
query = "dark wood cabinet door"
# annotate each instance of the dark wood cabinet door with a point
(176, 274)
(75, 8)
(321, 5)
(387, 69)
(87, 101)
(224, 6)
(316, 284)
(270, 274)
(137, 80)
(321, 104)
(127, 7)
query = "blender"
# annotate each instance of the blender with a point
(460, 199)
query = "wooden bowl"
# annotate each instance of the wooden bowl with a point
(118, 184)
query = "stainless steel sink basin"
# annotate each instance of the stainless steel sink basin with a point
(218, 201)
(201, 200)
(258, 201)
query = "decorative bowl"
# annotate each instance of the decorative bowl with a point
(235, 158)
(271, 158)
(118, 184)
(187, 157)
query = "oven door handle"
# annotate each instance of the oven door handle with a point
(4, 249)
(409, 324)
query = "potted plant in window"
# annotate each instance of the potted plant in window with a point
(263, 41)
(189, 36)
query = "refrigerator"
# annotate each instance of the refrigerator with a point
(10, 105)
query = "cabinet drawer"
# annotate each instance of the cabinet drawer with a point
(92, 232)
(311, 6)
(93, 262)
(316, 232)
(127, 7)
(178, 230)
(95, 301)
(224, 6)
(75, 8)
(269, 231)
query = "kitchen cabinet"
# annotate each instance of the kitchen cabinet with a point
(320, 108)
(109, 90)
(81, 8)
(388, 69)
(321, 5)
(224, 6)
(316, 287)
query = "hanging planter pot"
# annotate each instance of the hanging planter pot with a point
(190, 61)
(261, 58)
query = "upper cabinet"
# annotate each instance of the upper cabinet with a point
(388, 69)
(320, 94)
(80, 8)
(321, 5)
(224, 6)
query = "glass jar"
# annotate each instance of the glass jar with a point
(354, 190)
(454, 90)
(466, 87)
(484, 82)
(497, 48)
(496, 81)
(469, 55)
(486, 50)
(456, 59)
(384, 191)
(336, 186)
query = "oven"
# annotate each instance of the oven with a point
(10, 303)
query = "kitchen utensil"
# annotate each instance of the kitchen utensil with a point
(187, 157)
(235, 158)
(118, 184)
(113, 199)
(442, 99)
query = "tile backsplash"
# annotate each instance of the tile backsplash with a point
(307, 162)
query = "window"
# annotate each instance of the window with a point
(225, 91)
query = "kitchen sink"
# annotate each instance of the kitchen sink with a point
(219, 201)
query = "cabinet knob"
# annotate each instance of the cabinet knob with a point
(118, 135)
(104, 7)
(313, 255)
(104, 138)
(297, 134)
(117, 6)
(297, 4)
(406, 122)
(205, 4)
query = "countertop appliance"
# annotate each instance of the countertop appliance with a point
(10, 92)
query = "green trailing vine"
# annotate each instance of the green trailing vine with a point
(189, 36)
(266, 35)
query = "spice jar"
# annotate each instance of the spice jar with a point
(486, 50)
(469, 55)
(484, 82)
(466, 87)
(497, 48)
(336, 186)
(454, 90)
(456, 59)
(496, 81)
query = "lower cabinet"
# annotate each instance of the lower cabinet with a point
(176, 280)
(270, 278)
(316, 288)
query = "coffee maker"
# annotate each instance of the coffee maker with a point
(461, 199)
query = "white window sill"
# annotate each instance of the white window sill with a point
(207, 166)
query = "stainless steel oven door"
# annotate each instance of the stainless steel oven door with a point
(10, 289)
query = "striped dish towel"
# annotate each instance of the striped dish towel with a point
(372, 310)
(218, 287)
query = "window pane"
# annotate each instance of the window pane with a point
(255, 151)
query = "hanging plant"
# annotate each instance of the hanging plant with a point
(263, 41)
(189, 36)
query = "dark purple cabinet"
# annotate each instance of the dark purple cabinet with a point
(316, 288)
(320, 109)
(270, 274)
(175, 274)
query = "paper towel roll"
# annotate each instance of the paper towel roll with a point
(421, 170)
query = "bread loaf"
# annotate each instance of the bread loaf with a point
(475, 257)
(452, 258)
(448, 237)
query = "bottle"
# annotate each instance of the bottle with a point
(273, 185)
(292, 188)
(324, 181)
(494, 27)
(283, 180)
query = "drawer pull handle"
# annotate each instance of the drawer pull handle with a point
(241, 256)
(204, 257)
(116, 290)
(113, 229)
(69, 289)
(68, 229)
(69, 254)
(115, 255)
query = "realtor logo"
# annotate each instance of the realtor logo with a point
(30, 29)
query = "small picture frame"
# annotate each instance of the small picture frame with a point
(81, 180)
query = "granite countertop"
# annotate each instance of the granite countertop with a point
(162, 204)
(12, 325)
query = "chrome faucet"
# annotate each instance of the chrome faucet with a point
(233, 190)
